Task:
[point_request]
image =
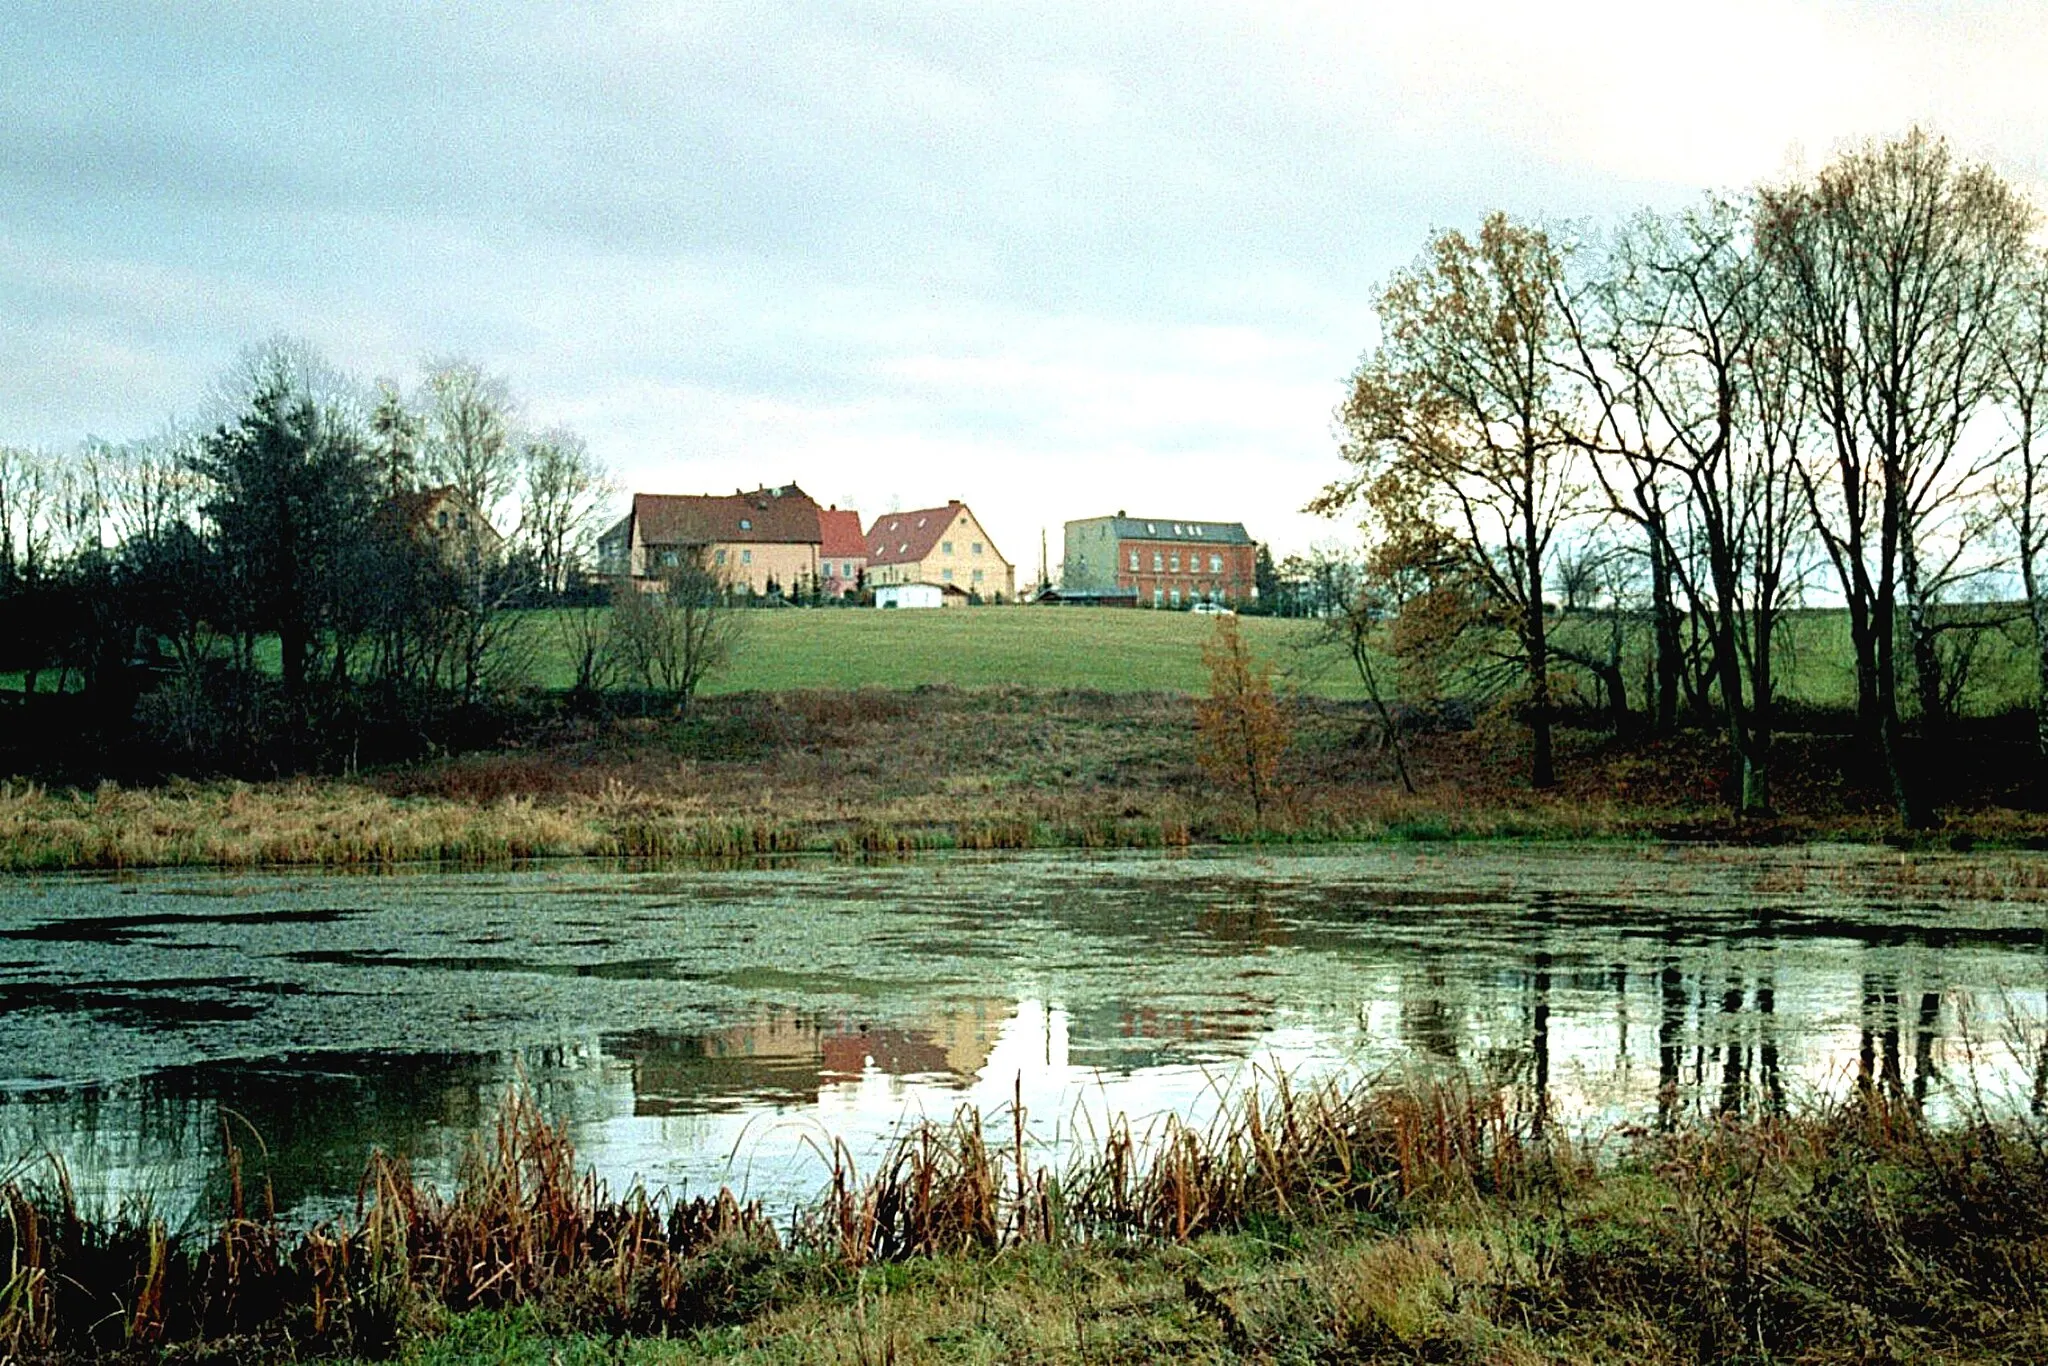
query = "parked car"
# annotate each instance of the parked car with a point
(1212, 609)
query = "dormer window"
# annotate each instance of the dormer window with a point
(746, 524)
(1151, 530)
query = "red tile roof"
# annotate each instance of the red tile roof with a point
(907, 537)
(840, 530)
(778, 515)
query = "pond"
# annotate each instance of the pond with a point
(705, 1027)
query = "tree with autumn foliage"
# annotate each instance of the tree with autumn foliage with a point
(1457, 423)
(1240, 727)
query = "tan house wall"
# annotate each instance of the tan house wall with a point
(739, 565)
(957, 565)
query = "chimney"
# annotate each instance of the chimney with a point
(952, 502)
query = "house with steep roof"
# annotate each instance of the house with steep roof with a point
(1164, 562)
(762, 541)
(942, 545)
(842, 551)
(444, 518)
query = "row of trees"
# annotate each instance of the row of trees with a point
(1836, 382)
(152, 579)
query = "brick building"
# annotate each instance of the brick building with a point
(1166, 563)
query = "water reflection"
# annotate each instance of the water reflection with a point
(703, 1030)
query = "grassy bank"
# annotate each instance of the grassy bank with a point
(879, 772)
(1341, 1223)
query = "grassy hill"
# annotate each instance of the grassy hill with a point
(1034, 647)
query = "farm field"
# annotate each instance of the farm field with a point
(1104, 649)
(1121, 651)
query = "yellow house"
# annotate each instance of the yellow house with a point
(943, 545)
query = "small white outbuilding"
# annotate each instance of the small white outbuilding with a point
(910, 595)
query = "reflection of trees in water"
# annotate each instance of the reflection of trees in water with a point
(304, 1125)
(1431, 1018)
(1243, 926)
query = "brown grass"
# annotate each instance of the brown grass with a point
(882, 774)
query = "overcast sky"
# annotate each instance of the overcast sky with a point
(1055, 260)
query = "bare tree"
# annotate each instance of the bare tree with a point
(586, 633)
(1892, 265)
(468, 432)
(677, 634)
(1459, 417)
(1674, 341)
(2023, 478)
(564, 488)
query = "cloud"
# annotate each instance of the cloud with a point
(1052, 258)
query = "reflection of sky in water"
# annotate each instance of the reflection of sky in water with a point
(698, 1029)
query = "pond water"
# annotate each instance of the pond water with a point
(699, 1028)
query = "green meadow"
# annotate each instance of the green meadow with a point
(1106, 649)
(1115, 650)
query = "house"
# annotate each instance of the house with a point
(762, 541)
(842, 552)
(944, 546)
(1166, 563)
(445, 517)
(920, 595)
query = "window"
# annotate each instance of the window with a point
(1158, 596)
(975, 548)
(945, 547)
(746, 524)
(1134, 561)
(1158, 562)
(1174, 564)
(442, 520)
(846, 570)
(668, 559)
(946, 575)
(977, 576)
(1176, 597)
(1215, 564)
(462, 521)
(721, 558)
(746, 557)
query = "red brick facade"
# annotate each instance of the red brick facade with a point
(1177, 573)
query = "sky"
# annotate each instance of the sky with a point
(1055, 260)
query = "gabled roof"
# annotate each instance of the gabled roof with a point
(785, 515)
(907, 537)
(413, 509)
(839, 534)
(1167, 529)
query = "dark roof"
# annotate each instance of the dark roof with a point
(1169, 529)
(413, 509)
(839, 531)
(779, 515)
(907, 537)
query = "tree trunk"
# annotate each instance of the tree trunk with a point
(1669, 651)
(1542, 772)
(1756, 757)
(1920, 639)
